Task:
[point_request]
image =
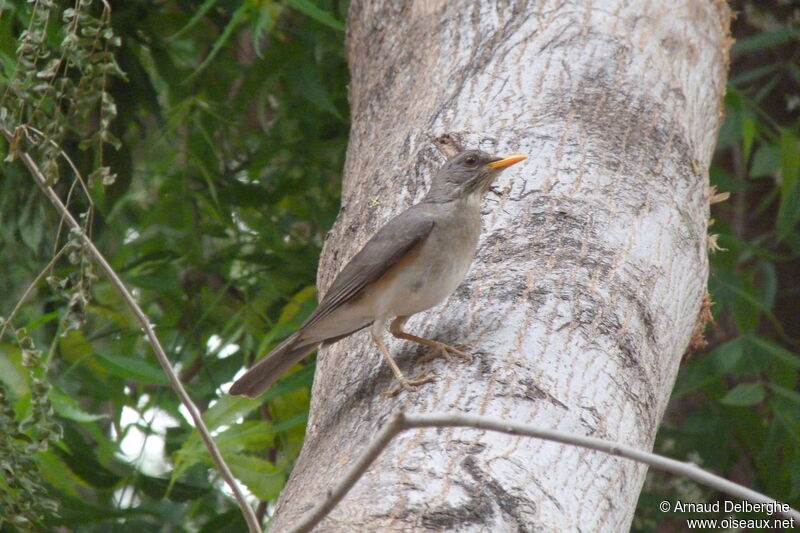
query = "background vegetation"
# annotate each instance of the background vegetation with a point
(201, 144)
(735, 408)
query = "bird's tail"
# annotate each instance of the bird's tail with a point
(267, 371)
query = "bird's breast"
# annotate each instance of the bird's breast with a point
(435, 269)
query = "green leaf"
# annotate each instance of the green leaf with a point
(697, 373)
(310, 86)
(238, 15)
(789, 394)
(766, 161)
(789, 209)
(753, 74)
(744, 394)
(261, 477)
(74, 347)
(748, 133)
(84, 463)
(253, 435)
(765, 40)
(66, 407)
(308, 8)
(56, 472)
(228, 522)
(265, 21)
(229, 410)
(292, 315)
(78, 511)
(12, 373)
(731, 130)
(242, 436)
(29, 223)
(795, 72)
(300, 378)
(766, 88)
(744, 304)
(787, 415)
(778, 352)
(132, 368)
(158, 489)
(154, 282)
(768, 283)
(198, 15)
(296, 304)
(32, 233)
(726, 357)
(41, 320)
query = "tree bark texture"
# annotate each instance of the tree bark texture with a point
(591, 270)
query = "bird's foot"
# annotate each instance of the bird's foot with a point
(405, 383)
(448, 352)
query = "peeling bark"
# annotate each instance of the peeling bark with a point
(591, 270)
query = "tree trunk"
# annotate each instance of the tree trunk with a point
(591, 269)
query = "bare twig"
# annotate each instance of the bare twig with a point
(333, 496)
(7, 320)
(194, 412)
(27, 130)
(67, 158)
(401, 421)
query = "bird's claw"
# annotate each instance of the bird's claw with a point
(447, 351)
(405, 383)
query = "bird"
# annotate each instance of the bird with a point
(414, 262)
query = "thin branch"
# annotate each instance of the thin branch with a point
(7, 320)
(333, 496)
(78, 178)
(194, 412)
(401, 421)
(67, 158)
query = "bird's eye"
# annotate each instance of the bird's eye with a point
(471, 160)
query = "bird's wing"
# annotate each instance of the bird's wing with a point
(392, 242)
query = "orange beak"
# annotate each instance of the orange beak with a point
(512, 159)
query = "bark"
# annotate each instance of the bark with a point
(591, 270)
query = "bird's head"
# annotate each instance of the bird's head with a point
(468, 173)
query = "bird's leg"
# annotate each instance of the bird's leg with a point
(437, 348)
(404, 381)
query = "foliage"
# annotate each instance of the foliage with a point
(24, 498)
(201, 146)
(735, 408)
(225, 125)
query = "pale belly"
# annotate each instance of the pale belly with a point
(426, 282)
